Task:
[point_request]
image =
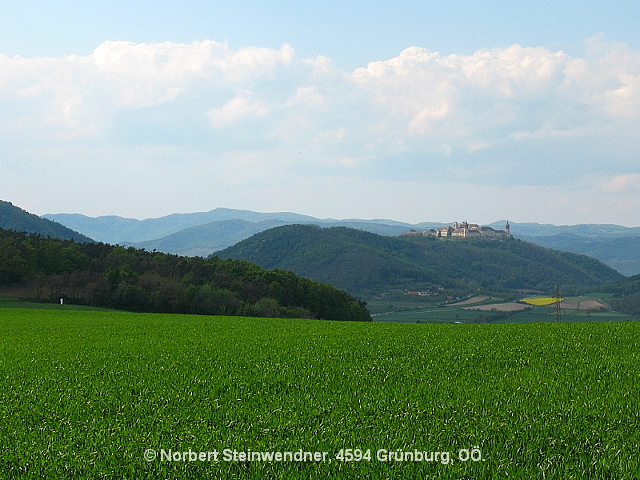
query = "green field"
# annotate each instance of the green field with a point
(90, 394)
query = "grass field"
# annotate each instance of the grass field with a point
(91, 394)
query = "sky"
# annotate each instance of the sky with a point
(411, 110)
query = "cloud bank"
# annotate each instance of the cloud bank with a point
(194, 124)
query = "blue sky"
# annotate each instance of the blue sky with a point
(415, 111)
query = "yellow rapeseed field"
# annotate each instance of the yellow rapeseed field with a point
(542, 301)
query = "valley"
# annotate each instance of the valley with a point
(374, 261)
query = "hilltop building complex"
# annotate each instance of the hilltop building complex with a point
(464, 230)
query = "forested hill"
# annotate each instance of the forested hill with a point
(98, 274)
(367, 264)
(19, 220)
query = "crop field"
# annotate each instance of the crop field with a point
(542, 301)
(143, 396)
(588, 308)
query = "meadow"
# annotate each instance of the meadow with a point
(143, 396)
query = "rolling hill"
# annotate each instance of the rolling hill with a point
(16, 219)
(366, 264)
(203, 233)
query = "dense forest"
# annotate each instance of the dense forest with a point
(97, 274)
(365, 264)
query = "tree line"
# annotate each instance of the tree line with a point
(102, 275)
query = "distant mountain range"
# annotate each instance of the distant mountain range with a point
(205, 232)
(200, 234)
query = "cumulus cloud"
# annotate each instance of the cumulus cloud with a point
(510, 115)
(491, 94)
(82, 93)
(474, 97)
(156, 73)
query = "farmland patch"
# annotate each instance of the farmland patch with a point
(500, 307)
(470, 301)
(586, 304)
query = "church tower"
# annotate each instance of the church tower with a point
(507, 229)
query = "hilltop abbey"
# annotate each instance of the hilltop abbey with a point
(465, 230)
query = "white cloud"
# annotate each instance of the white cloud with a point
(501, 116)
(514, 71)
(236, 110)
(624, 101)
(622, 183)
(470, 97)
(608, 78)
(307, 96)
(478, 99)
(81, 93)
(156, 73)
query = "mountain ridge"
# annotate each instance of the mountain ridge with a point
(170, 233)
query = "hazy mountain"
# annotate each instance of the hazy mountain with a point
(615, 245)
(113, 229)
(19, 220)
(596, 230)
(202, 240)
(105, 229)
(205, 232)
(365, 264)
